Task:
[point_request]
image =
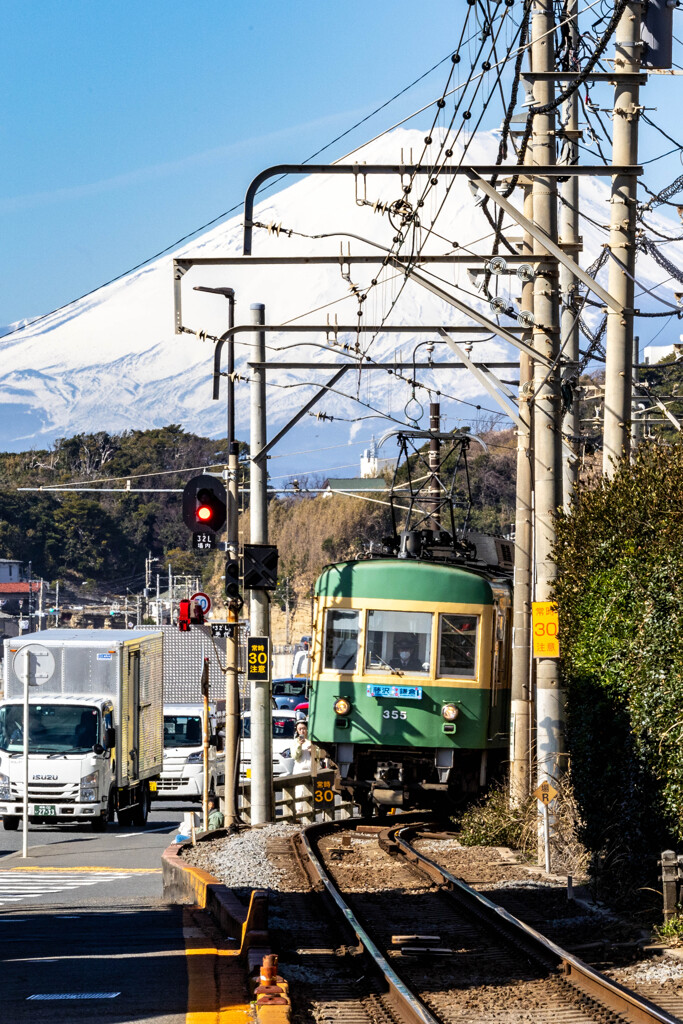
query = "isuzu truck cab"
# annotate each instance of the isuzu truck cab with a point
(95, 737)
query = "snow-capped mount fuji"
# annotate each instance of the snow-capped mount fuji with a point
(112, 360)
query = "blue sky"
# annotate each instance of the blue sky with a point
(127, 125)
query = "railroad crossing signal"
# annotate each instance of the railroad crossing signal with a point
(204, 504)
(545, 793)
(260, 567)
(232, 578)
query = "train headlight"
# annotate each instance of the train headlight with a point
(342, 706)
(450, 712)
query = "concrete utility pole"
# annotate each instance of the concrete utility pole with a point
(521, 684)
(619, 343)
(550, 712)
(262, 803)
(570, 240)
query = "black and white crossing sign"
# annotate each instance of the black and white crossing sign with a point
(203, 541)
(226, 629)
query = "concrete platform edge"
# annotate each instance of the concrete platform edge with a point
(185, 884)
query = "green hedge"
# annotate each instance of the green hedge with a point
(619, 590)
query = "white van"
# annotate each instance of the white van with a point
(284, 724)
(182, 777)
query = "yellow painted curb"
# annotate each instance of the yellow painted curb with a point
(182, 880)
(216, 991)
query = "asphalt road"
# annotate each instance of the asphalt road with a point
(86, 934)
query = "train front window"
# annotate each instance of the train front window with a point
(398, 642)
(341, 640)
(458, 645)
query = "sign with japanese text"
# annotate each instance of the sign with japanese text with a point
(323, 792)
(224, 629)
(203, 541)
(545, 793)
(545, 628)
(258, 658)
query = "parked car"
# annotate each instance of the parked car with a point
(284, 723)
(289, 692)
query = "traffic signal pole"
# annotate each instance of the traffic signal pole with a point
(262, 802)
(232, 693)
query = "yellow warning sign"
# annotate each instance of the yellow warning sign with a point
(545, 627)
(545, 793)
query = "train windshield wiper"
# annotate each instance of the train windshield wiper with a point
(394, 671)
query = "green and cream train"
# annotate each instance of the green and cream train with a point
(410, 678)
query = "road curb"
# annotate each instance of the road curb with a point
(183, 883)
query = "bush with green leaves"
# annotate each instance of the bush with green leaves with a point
(619, 587)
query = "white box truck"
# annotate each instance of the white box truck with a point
(95, 726)
(182, 777)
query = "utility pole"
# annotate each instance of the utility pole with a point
(261, 714)
(622, 265)
(521, 704)
(550, 713)
(570, 240)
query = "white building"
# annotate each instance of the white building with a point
(12, 571)
(372, 466)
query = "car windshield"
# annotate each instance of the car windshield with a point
(182, 730)
(283, 728)
(52, 728)
(289, 688)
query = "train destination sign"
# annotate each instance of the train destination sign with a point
(258, 659)
(405, 692)
(545, 627)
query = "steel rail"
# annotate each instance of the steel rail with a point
(411, 1008)
(579, 974)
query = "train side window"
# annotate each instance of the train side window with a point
(341, 640)
(458, 645)
(398, 640)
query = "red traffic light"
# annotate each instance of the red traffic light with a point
(204, 504)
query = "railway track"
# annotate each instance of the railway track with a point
(441, 953)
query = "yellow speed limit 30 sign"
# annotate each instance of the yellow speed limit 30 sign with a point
(545, 627)
(258, 658)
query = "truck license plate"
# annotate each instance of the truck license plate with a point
(45, 810)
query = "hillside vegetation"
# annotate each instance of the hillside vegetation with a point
(106, 537)
(99, 536)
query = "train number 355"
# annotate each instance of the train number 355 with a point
(394, 714)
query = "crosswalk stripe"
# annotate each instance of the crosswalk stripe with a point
(30, 885)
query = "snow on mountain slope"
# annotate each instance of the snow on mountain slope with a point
(112, 361)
